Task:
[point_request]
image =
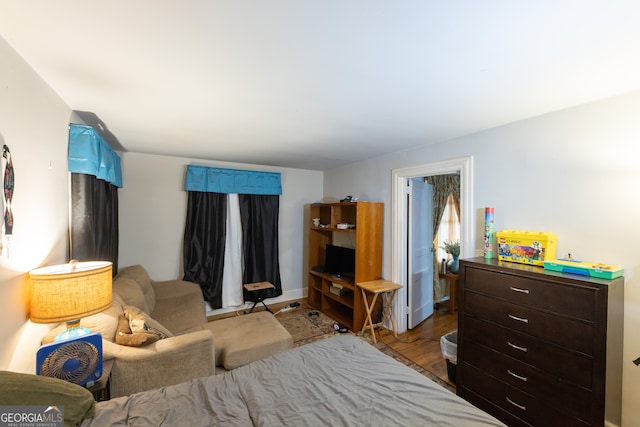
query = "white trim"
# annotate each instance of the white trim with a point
(464, 165)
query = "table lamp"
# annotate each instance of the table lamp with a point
(69, 292)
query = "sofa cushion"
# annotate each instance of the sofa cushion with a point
(124, 335)
(180, 306)
(131, 293)
(140, 275)
(139, 321)
(105, 322)
(244, 339)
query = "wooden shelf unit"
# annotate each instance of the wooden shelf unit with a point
(366, 238)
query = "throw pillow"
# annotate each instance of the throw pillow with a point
(124, 336)
(20, 389)
(139, 321)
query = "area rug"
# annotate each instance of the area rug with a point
(308, 325)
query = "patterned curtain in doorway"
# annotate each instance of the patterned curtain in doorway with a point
(443, 186)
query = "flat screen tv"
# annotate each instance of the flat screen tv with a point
(340, 261)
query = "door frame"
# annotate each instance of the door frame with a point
(399, 229)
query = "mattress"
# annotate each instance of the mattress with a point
(340, 381)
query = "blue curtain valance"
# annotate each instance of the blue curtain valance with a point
(90, 154)
(219, 180)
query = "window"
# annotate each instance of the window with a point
(449, 229)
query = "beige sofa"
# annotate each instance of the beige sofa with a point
(188, 352)
(175, 310)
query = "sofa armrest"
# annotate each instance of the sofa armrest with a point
(168, 361)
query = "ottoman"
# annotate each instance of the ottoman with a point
(244, 339)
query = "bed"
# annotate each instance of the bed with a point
(340, 381)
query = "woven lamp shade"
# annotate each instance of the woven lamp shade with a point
(70, 291)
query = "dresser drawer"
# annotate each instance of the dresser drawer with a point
(522, 405)
(558, 361)
(571, 301)
(562, 395)
(570, 333)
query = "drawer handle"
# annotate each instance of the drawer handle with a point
(524, 291)
(520, 377)
(519, 319)
(517, 347)
(524, 408)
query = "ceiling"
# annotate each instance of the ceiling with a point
(316, 84)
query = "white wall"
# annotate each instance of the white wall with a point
(34, 124)
(575, 172)
(153, 207)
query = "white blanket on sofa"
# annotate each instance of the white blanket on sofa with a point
(338, 381)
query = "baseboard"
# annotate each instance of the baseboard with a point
(286, 296)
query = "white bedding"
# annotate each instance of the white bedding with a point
(340, 381)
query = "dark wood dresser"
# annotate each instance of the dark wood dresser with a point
(540, 348)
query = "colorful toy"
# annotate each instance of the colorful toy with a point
(602, 271)
(526, 247)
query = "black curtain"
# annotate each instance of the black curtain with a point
(204, 241)
(94, 220)
(259, 216)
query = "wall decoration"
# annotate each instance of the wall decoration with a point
(8, 179)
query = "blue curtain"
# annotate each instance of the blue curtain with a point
(90, 154)
(219, 180)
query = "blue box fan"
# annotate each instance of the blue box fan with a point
(77, 360)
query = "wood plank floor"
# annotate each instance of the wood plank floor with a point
(421, 344)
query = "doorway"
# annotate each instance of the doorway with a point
(399, 228)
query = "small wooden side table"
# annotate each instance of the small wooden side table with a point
(101, 389)
(388, 290)
(453, 290)
(258, 291)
